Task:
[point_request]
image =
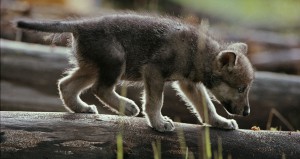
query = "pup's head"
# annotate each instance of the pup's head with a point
(231, 79)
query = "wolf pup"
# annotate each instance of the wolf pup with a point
(154, 50)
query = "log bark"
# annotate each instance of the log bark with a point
(284, 60)
(38, 67)
(64, 135)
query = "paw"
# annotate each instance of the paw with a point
(226, 124)
(91, 109)
(164, 124)
(131, 109)
(232, 124)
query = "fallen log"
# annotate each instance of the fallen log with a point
(274, 91)
(16, 97)
(31, 64)
(39, 67)
(65, 135)
(267, 38)
(284, 60)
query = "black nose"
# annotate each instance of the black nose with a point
(246, 111)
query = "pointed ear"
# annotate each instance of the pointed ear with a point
(239, 47)
(227, 59)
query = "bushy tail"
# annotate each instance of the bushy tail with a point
(52, 26)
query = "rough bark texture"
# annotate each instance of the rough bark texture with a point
(64, 135)
(29, 74)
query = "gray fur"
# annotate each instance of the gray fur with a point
(153, 50)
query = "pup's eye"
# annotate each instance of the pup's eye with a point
(242, 89)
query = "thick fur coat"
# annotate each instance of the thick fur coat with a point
(152, 50)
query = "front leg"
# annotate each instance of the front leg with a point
(193, 94)
(153, 101)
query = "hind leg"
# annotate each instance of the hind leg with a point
(104, 89)
(70, 88)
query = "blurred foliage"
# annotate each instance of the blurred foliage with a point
(151, 5)
(271, 13)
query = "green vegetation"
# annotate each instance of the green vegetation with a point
(119, 146)
(258, 12)
(186, 154)
(122, 103)
(156, 149)
(207, 145)
(218, 154)
(120, 152)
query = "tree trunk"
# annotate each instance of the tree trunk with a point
(64, 135)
